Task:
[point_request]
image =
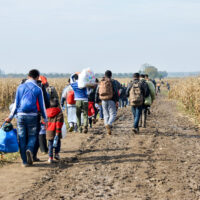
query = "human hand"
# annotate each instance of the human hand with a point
(8, 120)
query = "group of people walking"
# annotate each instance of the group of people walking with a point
(40, 116)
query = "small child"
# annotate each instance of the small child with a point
(91, 113)
(54, 127)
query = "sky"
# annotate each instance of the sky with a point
(65, 36)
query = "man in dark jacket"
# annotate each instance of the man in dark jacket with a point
(136, 94)
(109, 99)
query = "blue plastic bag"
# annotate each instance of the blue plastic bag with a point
(8, 141)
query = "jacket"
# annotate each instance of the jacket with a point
(37, 92)
(55, 122)
(79, 93)
(115, 93)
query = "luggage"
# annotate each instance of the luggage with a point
(8, 139)
(106, 89)
(136, 97)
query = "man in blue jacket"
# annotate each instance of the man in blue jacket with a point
(81, 98)
(25, 107)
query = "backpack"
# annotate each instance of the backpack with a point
(146, 88)
(70, 98)
(28, 101)
(106, 89)
(136, 96)
(52, 94)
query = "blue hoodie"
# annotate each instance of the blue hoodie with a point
(37, 92)
(79, 93)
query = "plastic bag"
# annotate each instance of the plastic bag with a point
(8, 141)
(64, 130)
(86, 77)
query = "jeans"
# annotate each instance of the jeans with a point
(109, 111)
(101, 112)
(82, 107)
(136, 113)
(57, 149)
(27, 132)
(37, 144)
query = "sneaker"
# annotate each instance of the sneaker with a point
(108, 128)
(29, 157)
(57, 156)
(36, 159)
(24, 165)
(80, 130)
(135, 130)
(85, 130)
(50, 160)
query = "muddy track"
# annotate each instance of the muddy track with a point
(163, 162)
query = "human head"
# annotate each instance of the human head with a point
(142, 76)
(75, 76)
(108, 74)
(146, 76)
(68, 81)
(136, 76)
(34, 74)
(44, 81)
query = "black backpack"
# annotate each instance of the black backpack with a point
(146, 88)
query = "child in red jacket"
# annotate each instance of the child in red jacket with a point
(53, 132)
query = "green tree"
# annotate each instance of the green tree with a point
(151, 71)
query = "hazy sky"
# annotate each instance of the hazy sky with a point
(68, 35)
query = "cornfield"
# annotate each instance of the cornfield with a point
(8, 88)
(187, 90)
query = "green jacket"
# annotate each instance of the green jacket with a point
(149, 100)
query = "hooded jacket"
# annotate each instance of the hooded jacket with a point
(55, 122)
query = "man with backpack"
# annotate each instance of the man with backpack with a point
(27, 96)
(107, 92)
(147, 100)
(136, 93)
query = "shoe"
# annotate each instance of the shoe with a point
(50, 160)
(135, 130)
(36, 160)
(24, 165)
(85, 130)
(57, 156)
(108, 128)
(29, 157)
(71, 129)
(94, 121)
(80, 130)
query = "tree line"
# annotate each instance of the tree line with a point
(146, 69)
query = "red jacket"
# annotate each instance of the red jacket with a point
(55, 122)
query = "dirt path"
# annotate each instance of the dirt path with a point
(163, 163)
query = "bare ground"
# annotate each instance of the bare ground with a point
(163, 163)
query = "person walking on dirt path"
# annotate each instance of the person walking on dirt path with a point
(136, 93)
(54, 129)
(81, 98)
(107, 92)
(152, 92)
(147, 101)
(41, 141)
(25, 107)
(68, 97)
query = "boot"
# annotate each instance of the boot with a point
(108, 128)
